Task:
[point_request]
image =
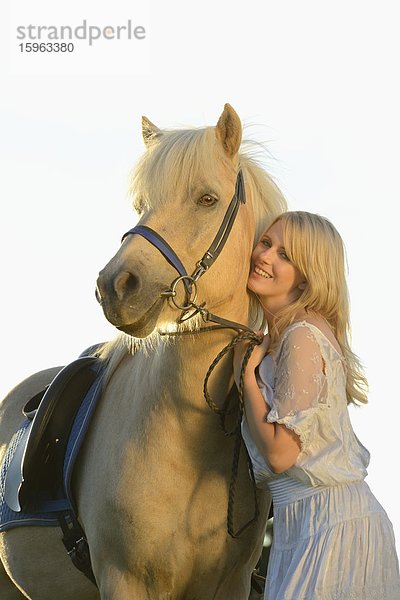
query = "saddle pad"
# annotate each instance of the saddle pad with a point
(8, 517)
(78, 433)
(43, 515)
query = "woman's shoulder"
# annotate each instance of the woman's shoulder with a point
(312, 326)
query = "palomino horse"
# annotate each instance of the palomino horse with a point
(152, 481)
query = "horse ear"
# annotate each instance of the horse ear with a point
(229, 130)
(149, 131)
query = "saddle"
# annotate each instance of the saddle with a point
(35, 474)
(38, 475)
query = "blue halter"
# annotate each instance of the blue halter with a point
(154, 238)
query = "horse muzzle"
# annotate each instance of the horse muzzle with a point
(127, 304)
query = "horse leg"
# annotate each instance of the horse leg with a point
(236, 588)
(39, 565)
(8, 591)
(119, 585)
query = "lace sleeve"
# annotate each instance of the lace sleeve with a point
(300, 383)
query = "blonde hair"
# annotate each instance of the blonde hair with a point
(314, 246)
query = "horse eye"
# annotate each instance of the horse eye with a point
(207, 200)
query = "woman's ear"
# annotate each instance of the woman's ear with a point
(302, 286)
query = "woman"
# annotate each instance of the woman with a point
(332, 539)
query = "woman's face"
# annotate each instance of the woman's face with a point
(273, 277)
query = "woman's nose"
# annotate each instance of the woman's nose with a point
(266, 255)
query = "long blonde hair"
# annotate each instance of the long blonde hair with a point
(314, 246)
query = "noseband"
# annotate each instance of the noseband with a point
(208, 259)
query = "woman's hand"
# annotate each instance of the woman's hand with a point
(255, 358)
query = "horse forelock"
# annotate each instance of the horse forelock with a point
(172, 165)
(180, 158)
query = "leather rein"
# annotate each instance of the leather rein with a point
(191, 308)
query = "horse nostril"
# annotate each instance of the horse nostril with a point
(125, 283)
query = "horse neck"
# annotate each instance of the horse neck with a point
(182, 361)
(170, 370)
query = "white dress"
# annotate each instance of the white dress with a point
(332, 540)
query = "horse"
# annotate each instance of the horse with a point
(152, 482)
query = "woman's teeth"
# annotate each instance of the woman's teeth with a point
(262, 273)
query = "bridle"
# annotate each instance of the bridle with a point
(191, 308)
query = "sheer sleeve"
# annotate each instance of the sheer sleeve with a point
(300, 388)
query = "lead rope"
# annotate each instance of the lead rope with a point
(254, 340)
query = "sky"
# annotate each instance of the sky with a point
(313, 80)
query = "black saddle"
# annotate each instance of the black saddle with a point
(35, 473)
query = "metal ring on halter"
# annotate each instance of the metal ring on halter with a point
(193, 290)
(190, 312)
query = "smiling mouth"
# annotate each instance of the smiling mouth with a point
(262, 273)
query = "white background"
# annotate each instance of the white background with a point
(315, 80)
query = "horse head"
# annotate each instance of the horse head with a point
(181, 189)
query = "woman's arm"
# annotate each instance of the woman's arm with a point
(278, 445)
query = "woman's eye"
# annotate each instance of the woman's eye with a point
(207, 200)
(266, 243)
(284, 256)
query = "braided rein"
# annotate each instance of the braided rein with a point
(223, 412)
